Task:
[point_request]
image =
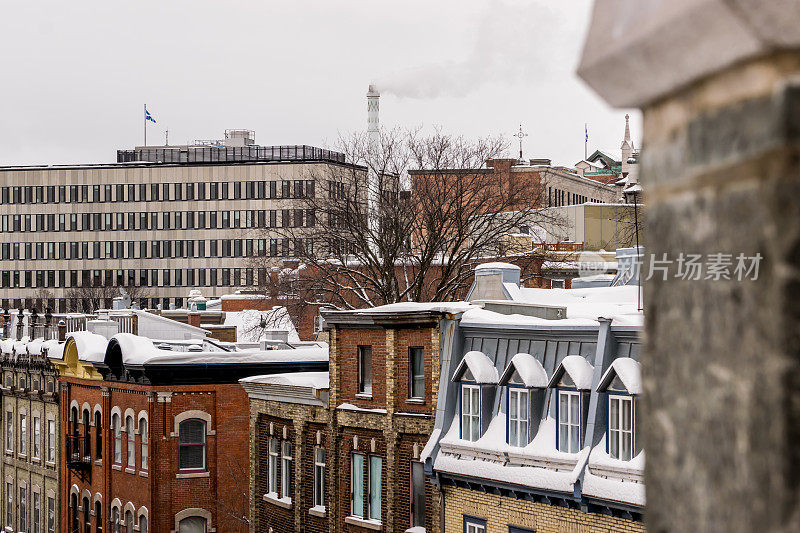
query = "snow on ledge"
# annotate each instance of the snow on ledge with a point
(529, 369)
(577, 368)
(628, 371)
(351, 407)
(480, 366)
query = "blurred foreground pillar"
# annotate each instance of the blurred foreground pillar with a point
(719, 86)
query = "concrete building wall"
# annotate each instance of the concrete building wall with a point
(147, 175)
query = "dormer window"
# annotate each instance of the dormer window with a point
(478, 377)
(572, 381)
(622, 384)
(620, 427)
(524, 372)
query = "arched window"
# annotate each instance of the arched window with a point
(131, 442)
(142, 524)
(87, 417)
(192, 524)
(117, 431)
(192, 441)
(115, 523)
(73, 503)
(74, 412)
(145, 442)
(98, 513)
(128, 521)
(98, 434)
(87, 515)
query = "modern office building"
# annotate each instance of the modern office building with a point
(160, 221)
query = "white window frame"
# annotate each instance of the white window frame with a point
(131, 446)
(36, 449)
(23, 433)
(286, 469)
(568, 422)
(51, 440)
(272, 470)
(472, 416)
(519, 415)
(116, 431)
(10, 431)
(319, 477)
(473, 527)
(145, 443)
(353, 484)
(616, 426)
(374, 490)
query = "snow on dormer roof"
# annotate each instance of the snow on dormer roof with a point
(627, 370)
(577, 368)
(480, 366)
(530, 370)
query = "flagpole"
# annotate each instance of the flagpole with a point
(145, 124)
(585, 141)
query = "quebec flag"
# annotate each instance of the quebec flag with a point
(148, 117)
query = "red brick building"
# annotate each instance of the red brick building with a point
(156, 437)
(352, 439)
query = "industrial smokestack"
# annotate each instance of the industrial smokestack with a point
(374, 140)
(373, 107)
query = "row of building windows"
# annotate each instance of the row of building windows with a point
(570, 429)
(416, 371)
(155, 249)
(19, 442)
(159, 192)
(162, 220)
(36, 518)
(558, 197)
(120, 520)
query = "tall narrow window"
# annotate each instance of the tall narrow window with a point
(375, 486)
(115, 523)
(569, 425)
(51, 440)
(518, 399)
(23, 510)
(23, 434)
(145, 442)
(10, 431)
(319, 477)
(116, 429)
(620, 427)
(98, 513)
(470, 412)
(98, 435)
(142, 524)
(128, 521)
(273, 466)
(416, 359)
(87, 515)
(286, 469)
(129, 429)
(36, 449)
(9, 503)
(37, 512)
(365, 369)
(51, 515)
(192, 437)
(417, 494)
(357, 485)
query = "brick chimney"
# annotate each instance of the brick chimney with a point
(194, 319)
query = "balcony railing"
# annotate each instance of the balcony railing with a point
(78, 451)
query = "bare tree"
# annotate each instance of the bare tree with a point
(407, 221)
(90, 297)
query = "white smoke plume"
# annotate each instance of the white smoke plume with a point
(514, 42)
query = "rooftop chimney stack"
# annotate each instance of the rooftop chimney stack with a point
(373, 107)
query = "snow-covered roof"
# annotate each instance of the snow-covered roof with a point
(530, 370)
(90, 346)
(34, 347)
(54, 347)
(482, 317)
(627, 370)
(577, 368)
(479, 365)
(497, 266)
(313, 380)
(589, 302)
(411, 307)
(138, 350)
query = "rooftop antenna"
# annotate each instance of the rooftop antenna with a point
(520, 135)
(166, 140)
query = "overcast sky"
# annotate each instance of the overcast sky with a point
(75, 75)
